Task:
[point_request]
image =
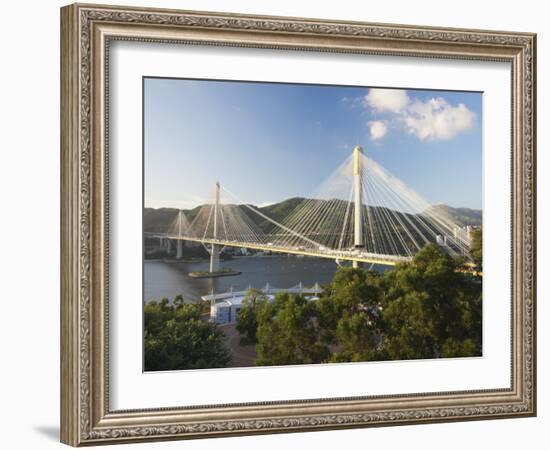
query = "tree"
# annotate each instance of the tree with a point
(408, 330)
(178, 301)
(424, 308)
(476, 246)
(177, 338)
(430, 310)
(359, 337)
(353, 291)
(247, 321)
(288, 332)
(349, 315)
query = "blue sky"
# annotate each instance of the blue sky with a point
(267, 142)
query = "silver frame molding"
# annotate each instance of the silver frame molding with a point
(86, 31)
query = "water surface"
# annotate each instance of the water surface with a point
(169, 278)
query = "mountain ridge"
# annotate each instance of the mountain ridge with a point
(158, 220)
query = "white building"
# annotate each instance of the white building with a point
(225, 311)
(225, 307)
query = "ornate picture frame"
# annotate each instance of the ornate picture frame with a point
(86, 34)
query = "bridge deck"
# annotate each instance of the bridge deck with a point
(387, 260)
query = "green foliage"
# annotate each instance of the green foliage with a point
(177, 338)
(430, 310)
(353, 292)
(476, 247)
(288, 333)
(158, 220)
(359, 336)
(407, 328)
(277, 211)
(421, 309)
(247, 321)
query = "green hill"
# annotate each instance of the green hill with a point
(158, 220)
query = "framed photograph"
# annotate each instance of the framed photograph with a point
(275, 224)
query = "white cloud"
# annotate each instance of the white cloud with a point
(377, 129)
(431, 120)
(436, 119)
(387, 100)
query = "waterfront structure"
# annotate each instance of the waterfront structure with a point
(224, 307)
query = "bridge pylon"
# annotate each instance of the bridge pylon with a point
(179, 243)
(215, 249)
(358, 190)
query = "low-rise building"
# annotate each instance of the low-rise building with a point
(224, 307)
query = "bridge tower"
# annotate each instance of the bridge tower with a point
(179, 244)
(358, 189)
(215, 249)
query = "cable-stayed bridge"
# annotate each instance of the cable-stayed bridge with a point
(361, 213)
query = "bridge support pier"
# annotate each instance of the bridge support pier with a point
(215, 258)
(179, 242)
(215, 249)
